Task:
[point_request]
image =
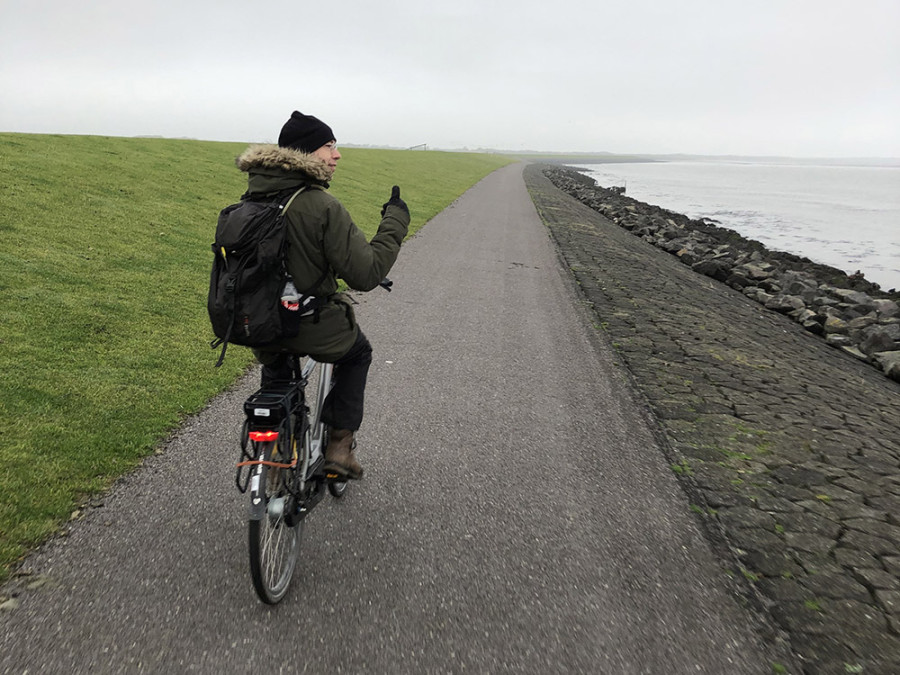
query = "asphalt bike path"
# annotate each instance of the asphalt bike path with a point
(516, 514)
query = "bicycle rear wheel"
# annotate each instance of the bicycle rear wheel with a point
(274, 544)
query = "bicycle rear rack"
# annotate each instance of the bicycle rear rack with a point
(268, 410)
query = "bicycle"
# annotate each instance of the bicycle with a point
(283, 443)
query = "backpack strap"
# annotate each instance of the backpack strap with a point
(229, 288)
(283, 215)
(290, 201)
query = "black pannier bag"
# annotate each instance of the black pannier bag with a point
(249, 277)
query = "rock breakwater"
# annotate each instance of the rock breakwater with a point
(847, 311)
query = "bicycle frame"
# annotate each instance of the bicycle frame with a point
(316, 428)
(314, 434)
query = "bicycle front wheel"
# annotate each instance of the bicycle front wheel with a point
(274, 544)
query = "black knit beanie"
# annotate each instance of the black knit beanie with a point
(305, 133)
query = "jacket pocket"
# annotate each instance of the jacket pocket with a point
(343, 302)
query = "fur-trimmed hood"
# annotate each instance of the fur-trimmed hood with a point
(270, 156)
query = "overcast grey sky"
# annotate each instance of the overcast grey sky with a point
(785, 77)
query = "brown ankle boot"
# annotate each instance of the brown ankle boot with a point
(339, 456)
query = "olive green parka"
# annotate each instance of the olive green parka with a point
(323, 245)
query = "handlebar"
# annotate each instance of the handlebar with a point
(386, 284)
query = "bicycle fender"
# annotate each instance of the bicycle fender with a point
(257, 497)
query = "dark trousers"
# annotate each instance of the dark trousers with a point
(343, 408)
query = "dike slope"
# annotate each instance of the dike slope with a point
(788, 447)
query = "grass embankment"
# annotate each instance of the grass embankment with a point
(104, 338)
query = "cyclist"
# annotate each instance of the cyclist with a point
(323, 244)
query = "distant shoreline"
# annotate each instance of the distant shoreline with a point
(601, 158)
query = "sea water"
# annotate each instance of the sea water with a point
(844, 216)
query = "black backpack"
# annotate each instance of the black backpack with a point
(249, 277)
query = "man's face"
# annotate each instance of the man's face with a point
(329, 154)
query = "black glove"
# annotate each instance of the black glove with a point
(395, 201)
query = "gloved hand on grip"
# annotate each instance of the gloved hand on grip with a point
(395, 201)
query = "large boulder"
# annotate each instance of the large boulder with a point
(688, 255)
(755, 271)
(836, 325)
(823, 301)
(886, 308)
(738, 281)
(890, 363)
(855, 299)
(717, 269)
(813, 326)
(877, 339)
(785, 304)
(806, 314)
(799, 284)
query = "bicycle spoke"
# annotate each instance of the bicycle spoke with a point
(274, 546)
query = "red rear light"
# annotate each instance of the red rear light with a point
(263, 436)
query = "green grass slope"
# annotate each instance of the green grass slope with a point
(104, 338)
